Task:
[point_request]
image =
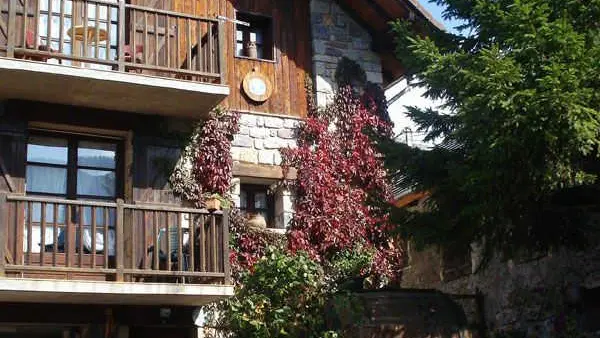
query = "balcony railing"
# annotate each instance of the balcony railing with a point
(87, 240)
(113, 35)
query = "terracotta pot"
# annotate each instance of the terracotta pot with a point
(257, 221)
(213, 204)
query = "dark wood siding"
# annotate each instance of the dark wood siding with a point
(154, 152)
(291, 35)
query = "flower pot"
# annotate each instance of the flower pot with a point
(213, 204)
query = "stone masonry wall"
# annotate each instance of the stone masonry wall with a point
(260, 138)
(335, 34)
(528, 296)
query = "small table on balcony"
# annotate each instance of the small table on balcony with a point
(81, 31)
(90, 34)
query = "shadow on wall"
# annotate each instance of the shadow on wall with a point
(411, 314)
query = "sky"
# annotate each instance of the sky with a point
(436, 12)
(404, 128)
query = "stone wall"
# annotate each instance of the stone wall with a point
(335, 34)
(526, 295)
(260, 138)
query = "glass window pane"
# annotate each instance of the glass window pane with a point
(101, 220)
(96, 154)
(47, 150)
(239, 35)
(239, 49)
(68, 6)
(256, 36)
(43, 26)
(55, 26)
(43, 5)
(46, 179)
(260, 200)
(56, 6)
(96, 183)
(66, 29)
(243, 199)
(36, 213)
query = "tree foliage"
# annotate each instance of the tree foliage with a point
(518, 134)
(341, 188)
(283, 296)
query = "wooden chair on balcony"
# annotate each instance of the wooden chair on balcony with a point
(172, 235)
(30, 44)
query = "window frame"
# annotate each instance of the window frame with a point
(268, 36)
(73, 166)
(251, 191)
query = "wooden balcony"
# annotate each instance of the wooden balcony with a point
(109, 54)
(108, 252)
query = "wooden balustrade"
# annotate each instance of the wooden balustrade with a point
(72, 239)
(113, 35)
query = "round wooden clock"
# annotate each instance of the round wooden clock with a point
(257, 86)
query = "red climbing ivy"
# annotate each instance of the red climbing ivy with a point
(213, 165)
(342, 194)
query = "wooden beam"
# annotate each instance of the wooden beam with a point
(9, 182)
(260, 171)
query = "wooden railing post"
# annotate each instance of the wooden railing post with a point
(226, 264)
(121, 38)
(3, 233)
(221, 51)
(12, 29)
(120, 249)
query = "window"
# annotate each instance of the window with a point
(50, 10)
(254, 41)
(72, 167)
(256, 200)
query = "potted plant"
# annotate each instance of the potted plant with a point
(215, 202)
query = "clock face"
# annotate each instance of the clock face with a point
(257, 86)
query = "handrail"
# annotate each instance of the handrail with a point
(25, 198)
(140, 39)
(196, 242)
(137, 206)
(171, 13)
(154, 207)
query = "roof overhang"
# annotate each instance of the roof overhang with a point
(375, 16)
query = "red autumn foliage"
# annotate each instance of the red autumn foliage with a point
(342, 193)
(213, 165)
